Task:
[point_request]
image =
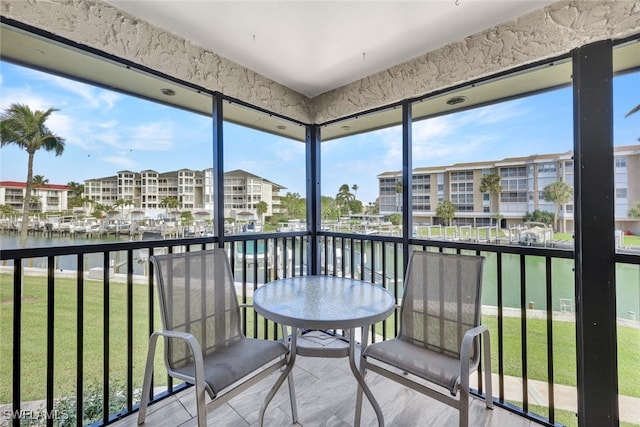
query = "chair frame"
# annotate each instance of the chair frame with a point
(461, 403)
(198, 379)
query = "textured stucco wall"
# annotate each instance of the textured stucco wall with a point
(542, 34)
(546, 33)
(103, 27)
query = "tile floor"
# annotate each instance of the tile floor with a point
(325, 393)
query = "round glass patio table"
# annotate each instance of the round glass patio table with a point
(325, 303)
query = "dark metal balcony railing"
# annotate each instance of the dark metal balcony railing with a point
(107, 269)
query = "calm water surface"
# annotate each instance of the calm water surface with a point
(563, 281)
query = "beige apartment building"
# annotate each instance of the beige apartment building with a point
(523, 180)
(193, 189)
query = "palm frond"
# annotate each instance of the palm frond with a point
(633, 110)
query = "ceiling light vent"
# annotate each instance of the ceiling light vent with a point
(456, 100)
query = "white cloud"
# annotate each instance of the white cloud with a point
(121, 162)
(84, 91)
(109, 98)
(110, 124)
(149, 137)
(23, 96)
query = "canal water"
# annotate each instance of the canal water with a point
(535, 294)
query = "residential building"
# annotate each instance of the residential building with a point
(194, 189)
(243, 191)
(523, 180)
(44, 198)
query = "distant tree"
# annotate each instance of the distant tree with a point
(294, 206)
(99, 210)
(39, 181)
(186, 217)
(490, 183)
(171, 204)
(355, 206)
(35, 203)
(262, 207)
(446, 211)
(399, 191)
(344, 197)
(75, 188)
(355, 188)
(395, 219)
(538, 216)
(6, 210)
(634, 211)
(25, 128)
(122, 203)
(76, 199)
(329, 209)
(560, 193)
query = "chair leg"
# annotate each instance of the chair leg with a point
(148, 373)
(362, 368)
(201, 407)
(463, 408)
(488, 397)
(286, 373)
(292, 398)
(358, 405)
(292, 391)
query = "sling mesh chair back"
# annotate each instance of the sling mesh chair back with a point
(438, 340)
(204, 344)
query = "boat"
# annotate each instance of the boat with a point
(534, 233)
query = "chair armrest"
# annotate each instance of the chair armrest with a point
(193, 344)
(465, 352)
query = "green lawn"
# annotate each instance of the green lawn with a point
(34, 325)
(34, 320)
(564, 354)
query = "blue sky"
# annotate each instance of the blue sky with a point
(106, 132)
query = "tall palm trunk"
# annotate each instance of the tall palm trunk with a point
(24, 228)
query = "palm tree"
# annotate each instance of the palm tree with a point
(446, 210)
(491, 184)
(633, 110)
(25, 128)
(170, 203)
(122, 203)
(75, 199)
(36, 201)
(344, 196)
(99, 210)
(262, 207)
(560, 193)
(399, 190)
(39, 181)
(355, 188)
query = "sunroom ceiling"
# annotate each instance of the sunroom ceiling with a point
(315, 46)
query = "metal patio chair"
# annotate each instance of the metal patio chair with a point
(204, 344)
(438, 340)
